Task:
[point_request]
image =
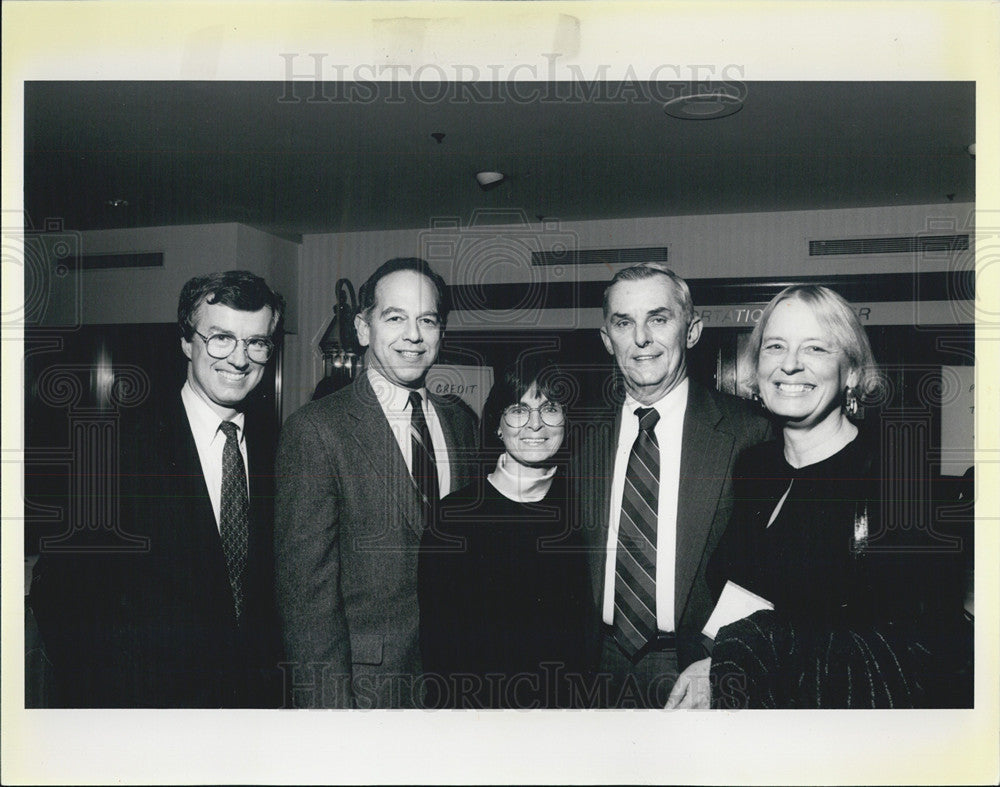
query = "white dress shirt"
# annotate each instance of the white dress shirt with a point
(669, 432)
(210, 441)
(395, 403)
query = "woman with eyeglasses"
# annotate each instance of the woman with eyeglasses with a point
(501, 575)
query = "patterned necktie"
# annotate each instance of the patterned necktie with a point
(635, 566)
(234, 513)
(422, 452)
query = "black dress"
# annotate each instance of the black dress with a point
(503, 599)
(859, 619)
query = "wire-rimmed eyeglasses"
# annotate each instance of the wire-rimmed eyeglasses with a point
(221, 345)
(518, 415)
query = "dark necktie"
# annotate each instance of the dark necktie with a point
(234, 512)
(422, 452)
(635, 566)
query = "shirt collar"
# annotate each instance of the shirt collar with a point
(203, 419)
(669, 404)
(393, 398)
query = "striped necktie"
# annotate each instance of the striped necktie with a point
(423, 467)
(635, 565)
(234, 513)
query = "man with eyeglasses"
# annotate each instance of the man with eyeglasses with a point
(187, 620)
(359, 472)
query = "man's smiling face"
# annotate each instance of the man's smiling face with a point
(223, 383)
(648, 334)
(403, 330)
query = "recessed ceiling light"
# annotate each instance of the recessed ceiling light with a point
(488, 180)
(705, 103)
(118, 202)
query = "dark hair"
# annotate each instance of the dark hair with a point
(239, 290)
(836, 315)
(366, 295)
(647, 270)
(514, 382)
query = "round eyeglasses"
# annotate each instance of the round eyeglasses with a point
(518, 415)
(221, 345)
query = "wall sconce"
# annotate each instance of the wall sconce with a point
(339, 343)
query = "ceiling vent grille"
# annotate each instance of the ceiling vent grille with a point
(600, 256)
(152, 259)
(904, 245)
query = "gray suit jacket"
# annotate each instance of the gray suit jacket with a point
(717, 427)
(348, 523)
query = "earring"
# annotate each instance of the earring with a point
(756, 398)
(850, 402)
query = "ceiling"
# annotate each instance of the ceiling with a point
(306, 157)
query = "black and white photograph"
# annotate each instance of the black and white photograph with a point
(449, 397)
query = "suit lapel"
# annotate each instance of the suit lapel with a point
(705, 452)
(458, 460)
(260, 456)
(599, 476)
(377, 446)
(193, 529)
(185, 466)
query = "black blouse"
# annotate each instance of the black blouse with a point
(811, 560)
(858, 618)
(503, 599)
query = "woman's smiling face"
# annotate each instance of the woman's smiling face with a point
(801, 370)
(535, 443)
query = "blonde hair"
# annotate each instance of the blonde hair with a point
(835, 315)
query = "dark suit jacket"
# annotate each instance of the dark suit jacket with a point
(717, 427)
(155, 626)
(348, 527)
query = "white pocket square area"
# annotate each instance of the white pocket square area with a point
(734, 604)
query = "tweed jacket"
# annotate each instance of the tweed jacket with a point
(349, 521)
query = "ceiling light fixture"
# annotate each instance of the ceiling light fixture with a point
(489, 180)
(118, 202)
(705, 102)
